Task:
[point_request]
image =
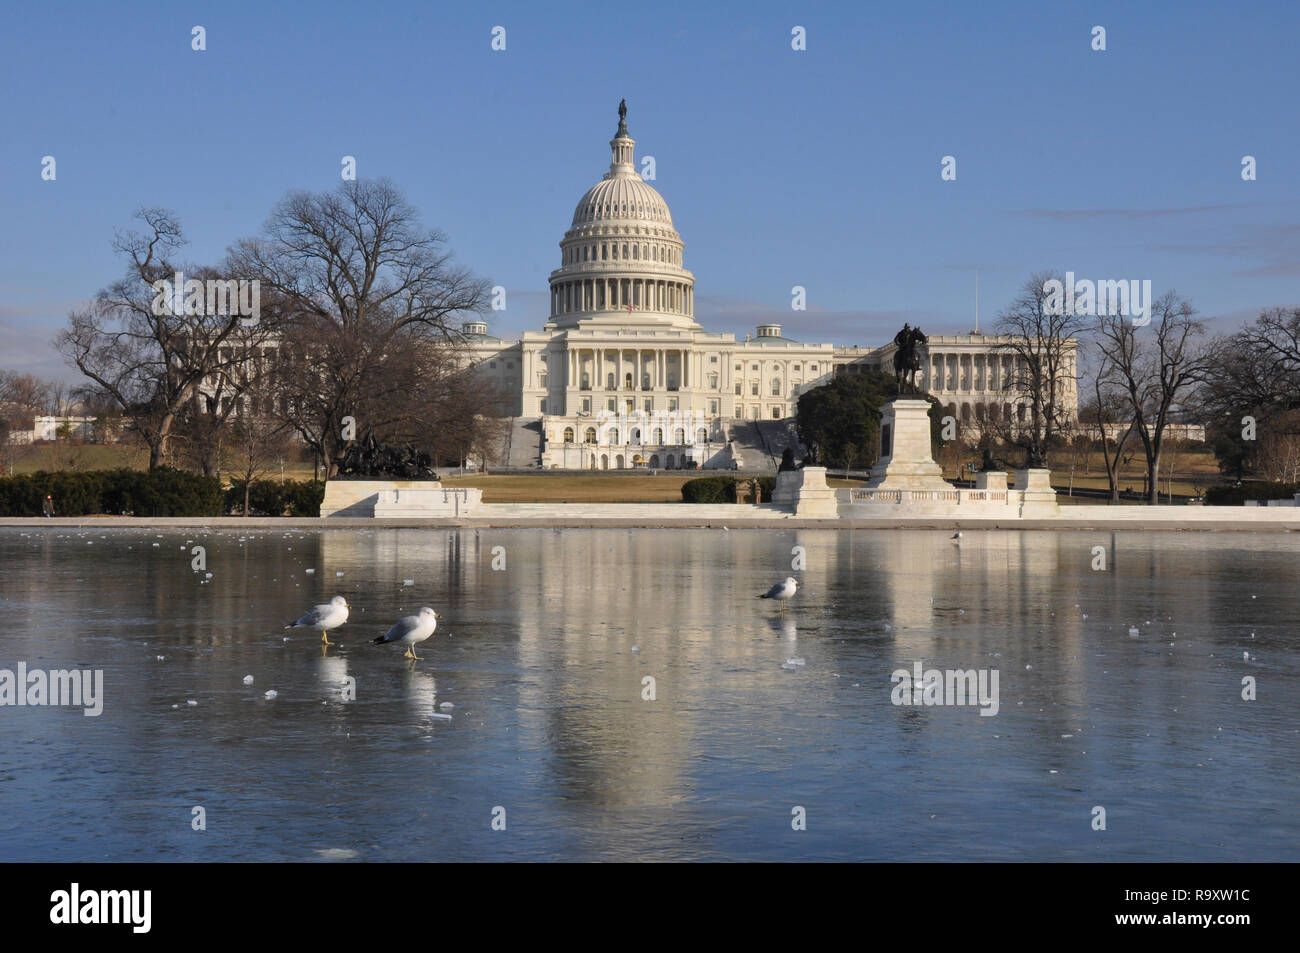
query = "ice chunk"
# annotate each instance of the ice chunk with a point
(248, 680)
(271, 693)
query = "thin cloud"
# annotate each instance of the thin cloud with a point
(1087, 214)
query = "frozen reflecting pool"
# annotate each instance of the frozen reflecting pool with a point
(554, 729)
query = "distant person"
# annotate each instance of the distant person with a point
(47, 508)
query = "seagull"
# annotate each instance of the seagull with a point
(783, 591)
(410, 631)
(323, 618)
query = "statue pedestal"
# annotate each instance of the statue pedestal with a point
(905, 461)
(806, 492)
(1037, 496)
(367, 498)
(991, 480)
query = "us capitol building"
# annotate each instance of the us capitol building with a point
(623, 376)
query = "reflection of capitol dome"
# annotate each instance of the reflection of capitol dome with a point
(621, 259)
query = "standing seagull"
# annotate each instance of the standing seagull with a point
(783, 591)
(410, 631)
(323, 618)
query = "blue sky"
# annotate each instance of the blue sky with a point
(818, 168)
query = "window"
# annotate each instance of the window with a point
(701, 435)
(739, 368)
(568, 435)
(753, 388)
(492, 363)
(811, 367)
(659, 436)
(679, 437)
(713, 358)
(776, 413)
(796, 367)
(613, 405)
(754, 368)
(672, 404)
(649, 404)
(737, 388)
(713, 407)
(586, 405)
(713, 381)
(590, 435)
(776, 387)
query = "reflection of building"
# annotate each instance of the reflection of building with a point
(622, 369)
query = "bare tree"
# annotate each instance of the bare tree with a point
(1042, 341)
(142, 350)
(22, 398)
(1278, 457)
(257, 441)
(1157, 367)
(375, 302)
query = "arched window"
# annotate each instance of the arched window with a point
(568, 435)
(776, 387)
(604, 461)
(654, 461)
(618, 462)
(672, 462)
(590, 435)
(701, 435)
(636, 435)
(679, 437)
(659, 436)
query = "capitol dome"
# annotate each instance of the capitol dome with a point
(621, 259)
(622, 195)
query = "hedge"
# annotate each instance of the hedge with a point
(721, 489)
(161, 492)
(1238, 495)
(277, 498)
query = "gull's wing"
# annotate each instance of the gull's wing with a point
(775, 591)
(316, 616)
(401, 627)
